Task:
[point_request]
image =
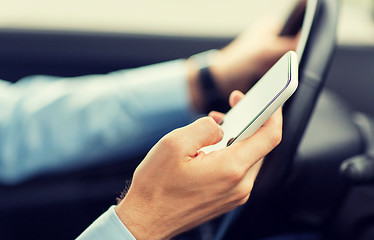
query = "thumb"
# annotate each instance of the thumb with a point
(201, 133)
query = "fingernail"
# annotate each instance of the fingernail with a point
(220, 122)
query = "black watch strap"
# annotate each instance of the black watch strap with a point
(213, 98)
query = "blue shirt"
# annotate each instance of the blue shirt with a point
(53, 124)
(50, 124)
(108, 226)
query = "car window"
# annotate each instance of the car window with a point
(356, 23)
(174, 17)
(171, 17)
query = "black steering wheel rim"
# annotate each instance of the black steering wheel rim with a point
(314, 63)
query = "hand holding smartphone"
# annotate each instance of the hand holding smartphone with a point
(260, 102)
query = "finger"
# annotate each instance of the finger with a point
(253, 172)
(275, 118)
(247, 183)
(267, 137)
(217, 116)
(235, 97)
(201, 133)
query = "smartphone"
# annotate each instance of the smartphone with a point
(260, 102)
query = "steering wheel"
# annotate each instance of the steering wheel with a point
(317, 21)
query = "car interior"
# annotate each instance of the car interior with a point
(319, 179)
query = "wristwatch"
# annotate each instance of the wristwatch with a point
(213, 98)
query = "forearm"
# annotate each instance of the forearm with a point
(64, 123)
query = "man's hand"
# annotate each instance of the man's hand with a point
(176, 187)
(241, 63)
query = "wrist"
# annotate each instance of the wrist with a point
(207, 92)
(233, 70)
(214, 99)
(196, 93)
(142, 222)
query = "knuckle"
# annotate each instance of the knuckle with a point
(244, 200)
(276, 137)
(235, 175)
(211, 126)
(168, 141)
(240, 195)
(243, 192)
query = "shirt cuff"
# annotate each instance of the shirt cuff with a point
(108, 226)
